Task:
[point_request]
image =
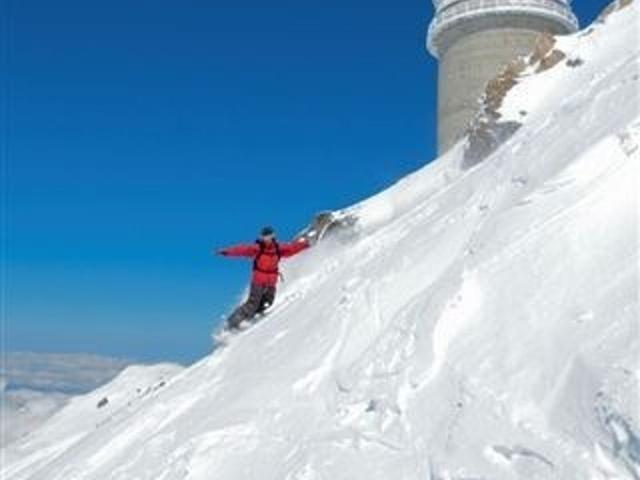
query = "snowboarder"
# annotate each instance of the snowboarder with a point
(266, 253)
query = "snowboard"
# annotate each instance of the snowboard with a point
(225, 334)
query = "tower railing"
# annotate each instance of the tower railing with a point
(465, 9)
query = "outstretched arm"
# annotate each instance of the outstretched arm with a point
(240, 251)
(293, 248)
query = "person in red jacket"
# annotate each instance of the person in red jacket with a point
(266, 253)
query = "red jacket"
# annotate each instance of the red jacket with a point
(266, 258)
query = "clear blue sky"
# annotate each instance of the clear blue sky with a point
(143, 133)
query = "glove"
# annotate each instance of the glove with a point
(223, 252)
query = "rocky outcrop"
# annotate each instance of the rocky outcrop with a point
(545, 55)
(488, 130)
(327, 223)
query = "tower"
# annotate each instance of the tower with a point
(473, 40)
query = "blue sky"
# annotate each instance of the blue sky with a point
(141, 134)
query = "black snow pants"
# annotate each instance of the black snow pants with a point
(260, 298)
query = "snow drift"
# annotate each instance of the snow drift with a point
(481, 323)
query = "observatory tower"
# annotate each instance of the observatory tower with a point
(474, 40)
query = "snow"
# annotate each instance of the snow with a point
(476, 324)
(82, 415)
(23, 410)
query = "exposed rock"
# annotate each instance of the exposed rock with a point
(498, 87)
(551, 60)
(544, 44)
(544, 56)
(327, 223)
(487, 131)
(485, 138)
(574, 62)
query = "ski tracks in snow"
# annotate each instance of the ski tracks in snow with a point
(311, 381)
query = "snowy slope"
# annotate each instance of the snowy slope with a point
(23, 411)
(481, 324)
(85, 414)
(34, 386)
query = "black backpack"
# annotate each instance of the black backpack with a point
(262, 249)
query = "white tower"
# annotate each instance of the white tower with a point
(474, 40)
